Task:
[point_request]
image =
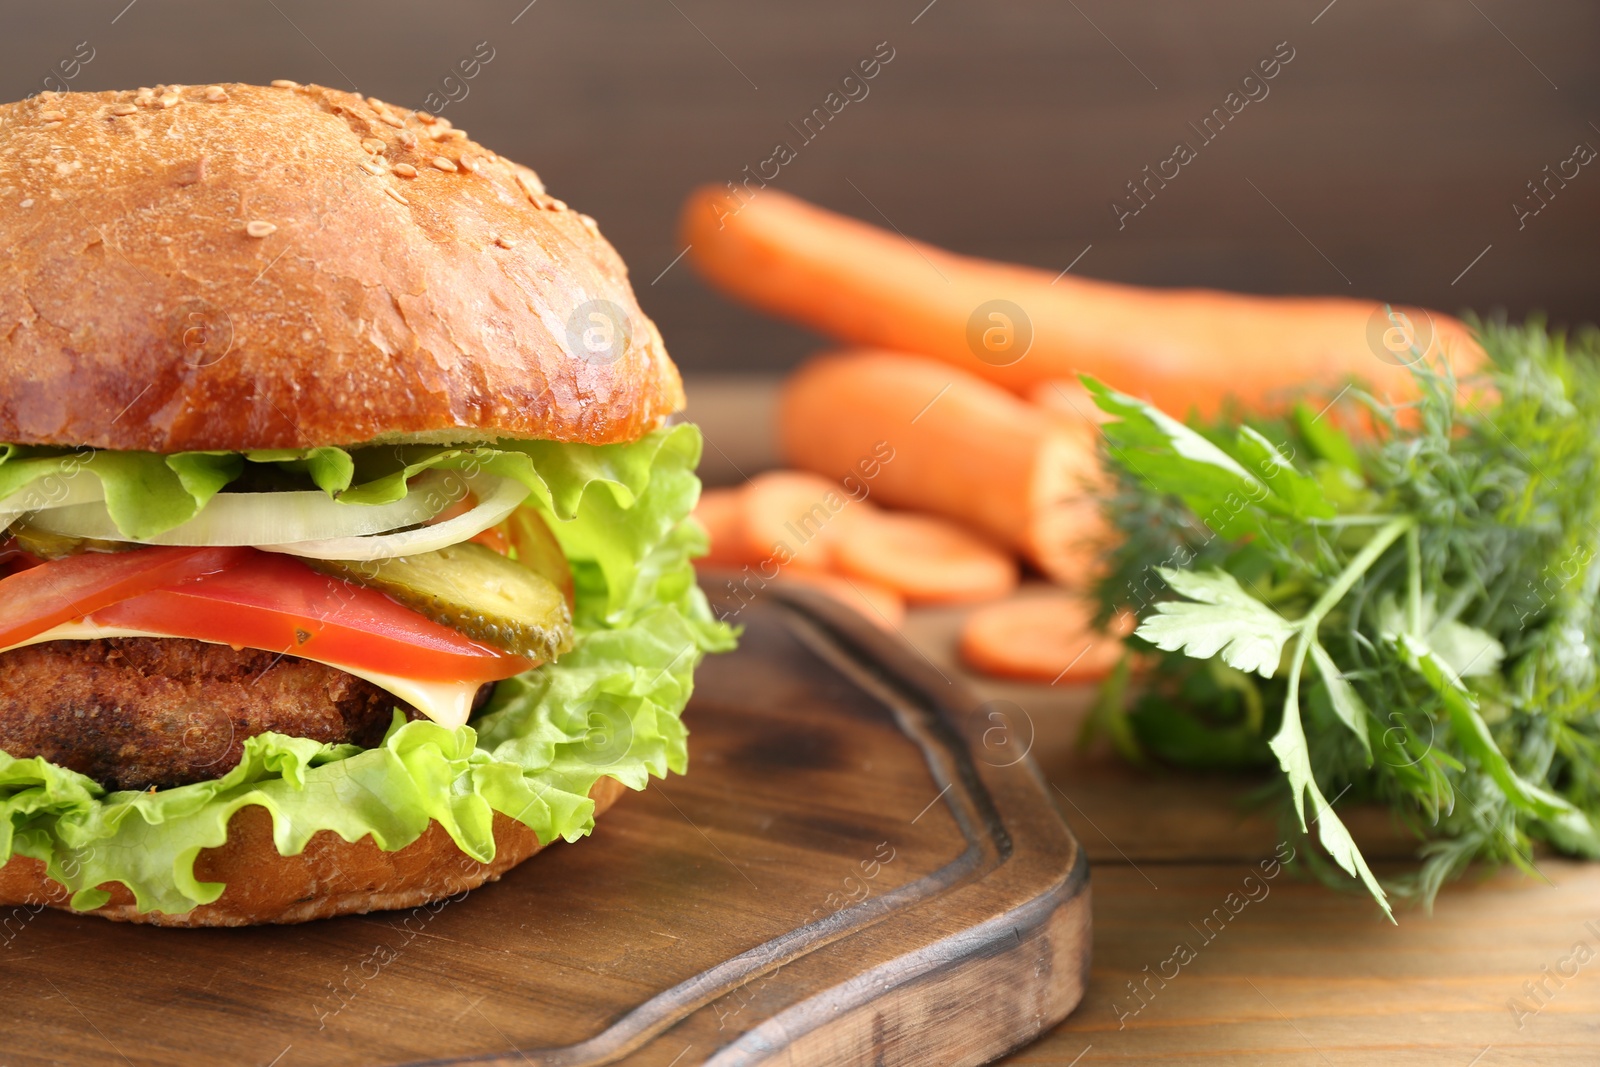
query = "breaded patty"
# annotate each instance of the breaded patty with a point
(136, 712)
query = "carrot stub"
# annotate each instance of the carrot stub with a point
(936, 439)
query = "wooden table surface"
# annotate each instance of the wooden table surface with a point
(1302, 975)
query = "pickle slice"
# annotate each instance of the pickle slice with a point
(537, 548)
(475, 590)
(47, 545)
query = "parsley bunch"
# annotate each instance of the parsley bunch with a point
(1403, 613)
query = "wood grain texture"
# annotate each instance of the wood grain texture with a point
(1306, 975)
(842, 878)
(1310, 977)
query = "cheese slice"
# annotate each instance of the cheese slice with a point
(446, 703)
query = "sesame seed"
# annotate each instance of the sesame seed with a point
(216, 94)
(170, 100)
(123, 109)
(51, 116)
(284, 83)
(443, 164)
(258, 228)
(145, 100)
(28, 202)
(370, 167)
(557, 205)
(505, 242)
(469, 164)
(425, 118)
(530, 184)
(391, 119)
(589, 224)
(406, 137)
(450, 135)
(395, 193)
(373, 145)
(307, 335)
(405, 170)
(384, 111)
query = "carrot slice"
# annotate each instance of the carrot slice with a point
(1046, 638)
(924, 559)
(721, 512)
(882, 606)
(796, 519)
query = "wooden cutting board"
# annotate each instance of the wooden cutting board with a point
(860, 867)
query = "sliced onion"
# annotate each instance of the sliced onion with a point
(497, 498)
(51, 491)
(250, 518)
(55, 491)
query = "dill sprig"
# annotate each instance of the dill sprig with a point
(1393, 603)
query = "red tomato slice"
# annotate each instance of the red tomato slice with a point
(46, 595)
(279, 604)
(13, 559)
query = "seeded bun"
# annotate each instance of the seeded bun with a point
(237, 267)
(331, 877)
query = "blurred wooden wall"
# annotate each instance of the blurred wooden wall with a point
(1396, 140)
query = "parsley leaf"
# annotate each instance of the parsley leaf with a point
(1346, 702)
(1294, 756)
(1227, 621)
(1438, 565)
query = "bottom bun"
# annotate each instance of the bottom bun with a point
(330, 877)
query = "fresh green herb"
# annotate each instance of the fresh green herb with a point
(1404, 613)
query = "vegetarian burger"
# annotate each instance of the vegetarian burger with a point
(347, 555)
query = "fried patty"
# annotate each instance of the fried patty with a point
(137, 712)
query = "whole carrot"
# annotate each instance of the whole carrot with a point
(1017, 326)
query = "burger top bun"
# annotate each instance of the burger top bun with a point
(238, 267)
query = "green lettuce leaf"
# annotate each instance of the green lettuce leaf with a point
(148, 494)
(609, 708)
(329, 468)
